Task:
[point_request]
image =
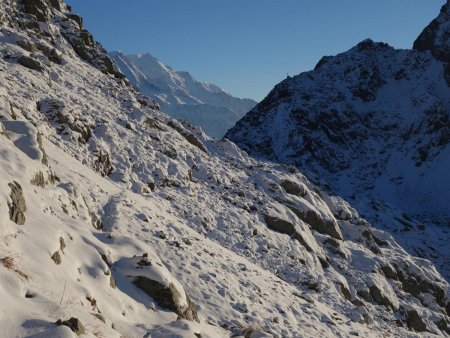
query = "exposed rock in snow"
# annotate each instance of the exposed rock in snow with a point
(373, 125)
(181, 96)
(141, 182)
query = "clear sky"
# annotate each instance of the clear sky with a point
(248, 46)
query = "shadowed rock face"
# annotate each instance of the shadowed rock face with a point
(436, 36)
(436, 39)
(17, 207)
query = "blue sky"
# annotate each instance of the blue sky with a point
(248, 46)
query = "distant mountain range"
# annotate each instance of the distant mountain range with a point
(181, 95)
(373, 125)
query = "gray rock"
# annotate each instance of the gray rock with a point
(293, 188)
(380, 298)
(30, 63)
(167, 297)
(17, 207)
(414, 320)
(328, 227)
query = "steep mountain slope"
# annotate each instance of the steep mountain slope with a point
(371, 124)
(183, 97)
(117, 220)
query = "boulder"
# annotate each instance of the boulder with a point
(167, 297)
(17, 207)
(74, 324)
(149, 274)
(30, 63)
(324, 226)
(293, 188)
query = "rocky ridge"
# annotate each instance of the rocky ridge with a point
(371, 124)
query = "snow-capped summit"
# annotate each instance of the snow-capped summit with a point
(178, 93)
(371, 124)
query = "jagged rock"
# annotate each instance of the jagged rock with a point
(30, 63)
(38, 8)
(436, 36)
(17, 207)
(74, 324)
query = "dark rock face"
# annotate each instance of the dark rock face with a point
(436, 39)
(436, 36)
(167, 297)
(38, 8)
(17, 207)
(74, 324)
(413, 319)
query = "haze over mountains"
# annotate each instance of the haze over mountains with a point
(180, 95)
(117, 220)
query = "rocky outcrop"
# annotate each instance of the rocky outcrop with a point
(38, 8)
(340, 124)
(167, 297)
(436, 39)
(436, 36)
(149, 274)
(17, 206)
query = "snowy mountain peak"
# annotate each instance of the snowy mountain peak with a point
(180, 94)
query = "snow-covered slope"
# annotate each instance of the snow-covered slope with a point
(373, 125)
(119, 221)
(183, 97)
